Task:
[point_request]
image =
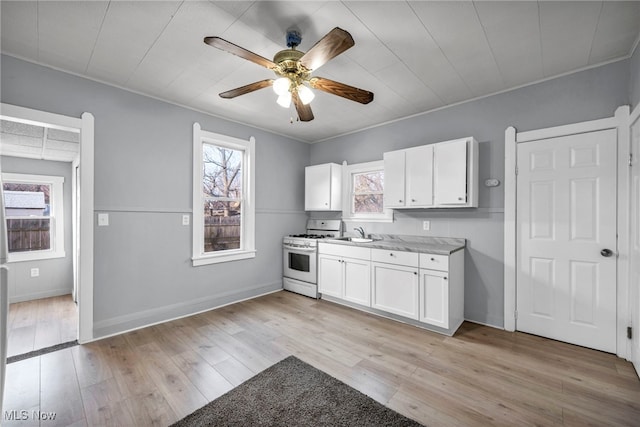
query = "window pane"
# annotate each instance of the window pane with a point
(222, 169)
(29, 234)
(222, 225)
(28, 208)
(368, 182)
(367, 203)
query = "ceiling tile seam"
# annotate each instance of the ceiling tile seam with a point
(222, 32)
(155, 41)
(493, 55)
(442, 51)
(540, 41)
(509, 89)
(158, 98)
(595, 31)
(95, 42)
(394, 54)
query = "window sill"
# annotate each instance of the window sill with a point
(34, 256)
(223, 257)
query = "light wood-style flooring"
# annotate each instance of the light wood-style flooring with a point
(481, 376)
(41, 323)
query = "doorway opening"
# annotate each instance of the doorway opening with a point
(50, 289)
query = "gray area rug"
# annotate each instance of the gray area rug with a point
(293, 393)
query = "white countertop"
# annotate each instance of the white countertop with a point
(423, 244)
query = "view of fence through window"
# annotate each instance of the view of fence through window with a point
(222, 186)
(368, 192)
(28, 216)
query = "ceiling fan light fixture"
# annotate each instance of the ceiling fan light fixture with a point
(281, 85)
(284, 100)
(306, 95)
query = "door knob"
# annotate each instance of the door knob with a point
(606, 253)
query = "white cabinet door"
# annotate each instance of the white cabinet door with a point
(395, 289)
(434, 298)
(357, 283)
(419, 176)
(323, 187)
(394, 179)
(330, 275)
(450, 172)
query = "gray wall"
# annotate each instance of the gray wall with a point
(634, 81)
(143, 174)
(56, 275)
(587, 95)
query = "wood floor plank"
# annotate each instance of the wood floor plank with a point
(481, 376)
(22, 393)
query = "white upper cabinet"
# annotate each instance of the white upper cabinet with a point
(323, 187)
(394, 179)
(408, 178)
(442, 175)
(455, 164)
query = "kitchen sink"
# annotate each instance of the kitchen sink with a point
(355, 239)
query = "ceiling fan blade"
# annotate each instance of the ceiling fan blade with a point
(336, 88)
(333, 44)
(246, 89)
(239, 51)
(304, 111)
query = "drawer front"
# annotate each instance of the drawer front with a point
(395, 257)
(346, 251)
(434, 262)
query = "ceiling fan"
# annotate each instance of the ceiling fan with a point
(294, 68)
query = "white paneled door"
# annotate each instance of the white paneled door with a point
(634, 286)
(566, 216)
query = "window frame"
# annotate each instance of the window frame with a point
(348, 193)
(56, 216)
(247, 222)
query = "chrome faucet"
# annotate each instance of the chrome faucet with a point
(360, 230)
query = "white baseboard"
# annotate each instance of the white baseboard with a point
(39, 295)
(142, 319)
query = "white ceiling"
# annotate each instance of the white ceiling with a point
(415, 56)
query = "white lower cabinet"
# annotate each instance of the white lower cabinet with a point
(345, 277)
(425, 288)
(395, 289)
(330, 275)
(434, 298)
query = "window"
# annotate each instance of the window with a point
(33, 207)
(364, 193)
(223, 199)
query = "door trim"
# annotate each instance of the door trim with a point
(85, 259)
(620, 122)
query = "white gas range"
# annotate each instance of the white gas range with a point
(300, 253)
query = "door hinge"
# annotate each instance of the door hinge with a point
(516, 170)
(630, 159)
(629, 332)
(515, 314)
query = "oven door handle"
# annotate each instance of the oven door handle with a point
(297, 248)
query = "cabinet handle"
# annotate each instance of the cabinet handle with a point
(399, 201)
(390, 253)
(445, 278)
(415, 272)
(433, 259)
(460, 198)
(413, 200)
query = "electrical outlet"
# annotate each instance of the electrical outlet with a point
(426, 225)
(35, 272)
(103, 219)
(185, 219)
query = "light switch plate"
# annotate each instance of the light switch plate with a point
(35, 272)
(103, 219)
(185, 219)
(426, 225)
